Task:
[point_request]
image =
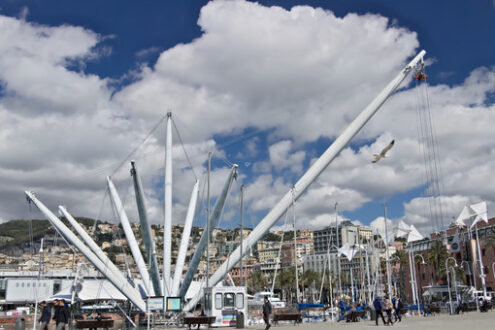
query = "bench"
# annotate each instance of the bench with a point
(288, 316)
(430, 310)
(355, 316)
(198, 320)
(86, 324)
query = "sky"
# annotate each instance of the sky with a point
(268, 85)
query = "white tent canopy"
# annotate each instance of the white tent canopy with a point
(349, 250)
(472, 214)
(413, 235)
(378, 227)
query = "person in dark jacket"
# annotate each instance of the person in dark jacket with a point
(62, 317)
(398, 305)
(379, 309)
(46, 315)
(267, 310)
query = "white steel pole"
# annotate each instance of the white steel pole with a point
(119, 282)
(331, 289)
(480, 260)
(179, 266)
(313, 172)
(167, 226)
(413, 291)
(295, 246)
(146, 231)
(89, 241)
(242, 234)
(211, 223)
(129, 235)
(36, 288)
(389, 280)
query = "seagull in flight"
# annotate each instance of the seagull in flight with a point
(383, 153)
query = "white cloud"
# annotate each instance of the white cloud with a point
(281, 158)
(300, 72)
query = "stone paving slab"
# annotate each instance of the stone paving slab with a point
(466, 321)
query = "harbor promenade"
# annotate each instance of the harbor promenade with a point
(466, 321)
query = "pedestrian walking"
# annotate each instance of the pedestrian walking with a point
(398, 305)
(46, 315)
(267, 310)
(388, 309)
(62, 315)
(378, 309)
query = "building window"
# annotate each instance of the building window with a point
(228, 300)
(483, 252)
(239, 300)
(218, 300)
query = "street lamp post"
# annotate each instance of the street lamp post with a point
(455, 284)
(414, 280)
(448, 280)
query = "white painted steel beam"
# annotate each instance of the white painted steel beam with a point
(131, 239)
(212, 223)
(186, 232)
(167, 226)
(122, 285)
(313, 172)
(90, 242)
(148, 240)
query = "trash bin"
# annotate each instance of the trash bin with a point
(20, 324)
(239, 320)
(372, 314)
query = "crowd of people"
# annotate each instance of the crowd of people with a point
(386, 307)
(391, 307)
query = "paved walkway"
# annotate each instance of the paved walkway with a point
(466, 321)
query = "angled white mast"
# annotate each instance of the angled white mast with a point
(118, 281)
(148, 240)
(167, 226)
(136, 252)
(313, 172)
(179, 265)
(211, 223)
(89, 241)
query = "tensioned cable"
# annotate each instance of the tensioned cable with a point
(184, 149)
(139, 145)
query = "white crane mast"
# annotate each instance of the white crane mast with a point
(89, 241)
(118, 281)
(305, 181)
(179, 265)
(131, 239)
(167, 226)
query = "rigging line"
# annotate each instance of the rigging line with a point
(184, 149)
(279, 252)
(432, 162)
(104, 168)
(139, 145)
(105, 194)
(438, 164)
(426, 158)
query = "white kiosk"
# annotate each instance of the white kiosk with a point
(224, 303)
